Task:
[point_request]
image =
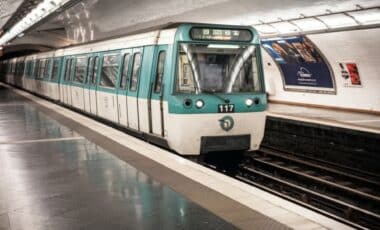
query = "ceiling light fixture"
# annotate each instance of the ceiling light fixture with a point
(42, 10)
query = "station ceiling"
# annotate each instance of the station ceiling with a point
(89, 20)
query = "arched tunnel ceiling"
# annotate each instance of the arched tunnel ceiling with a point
(98, 19)
(7, 9)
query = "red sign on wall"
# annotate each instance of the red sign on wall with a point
(350, 74)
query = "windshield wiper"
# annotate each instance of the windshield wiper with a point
(225, 100)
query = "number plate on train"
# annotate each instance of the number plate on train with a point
(226, 108)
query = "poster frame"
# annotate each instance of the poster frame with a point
(305, 89)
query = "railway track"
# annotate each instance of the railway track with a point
(350, 196)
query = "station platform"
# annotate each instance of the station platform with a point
(62, 170)
(337, 118)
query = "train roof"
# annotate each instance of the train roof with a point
(163, 34)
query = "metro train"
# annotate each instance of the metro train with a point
(194, 88)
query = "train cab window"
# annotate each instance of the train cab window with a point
(109, 71)
(124, 74)
(159, 71)
(218, 68)
(54, 75)
(135, 71)
(80, 69)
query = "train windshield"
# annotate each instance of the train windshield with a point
(217, 68)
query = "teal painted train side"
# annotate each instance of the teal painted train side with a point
(195, 88)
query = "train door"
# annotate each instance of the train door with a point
(65, 81)
(133, 90)
(56, 68)
(87, 81)
(106, 91)
(155, 98)
(69, 82)
(91, 85)
(77, 85)
(122, 90)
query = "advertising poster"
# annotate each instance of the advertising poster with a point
(350, 74)
(303, 67)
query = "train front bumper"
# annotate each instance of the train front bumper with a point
(193, 134)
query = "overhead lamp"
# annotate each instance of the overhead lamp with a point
(41, 11)
(367, 17)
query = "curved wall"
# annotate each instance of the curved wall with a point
(359, 46)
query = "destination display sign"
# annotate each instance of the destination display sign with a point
(221, 34)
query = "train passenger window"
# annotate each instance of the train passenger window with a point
(17, 68)
(94, 70)
(135, 71)
(67, 69)
(54, 75)
(28, 68)
(22, 68)
(47, 69)
(13, 68)
(80, 69)
(124, 74)
(36, 67)
(41, 70)
(109, 70)
(159, 71)
(89, 69)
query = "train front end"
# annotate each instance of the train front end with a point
(218, 101)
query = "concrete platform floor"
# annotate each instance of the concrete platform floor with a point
(355, 120)
(51, 177)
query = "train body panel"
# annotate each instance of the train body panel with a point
(198, 88)
(106, 104)
(184, 129)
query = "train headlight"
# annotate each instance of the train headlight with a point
(249, 102)
(199, 104)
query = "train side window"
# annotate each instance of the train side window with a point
(135, 71)
(109, 71)
(159, 71)
(22, 70)
(17, 68)
(54, 75)
(41, 69)
(13, 68)
(124, 74)
(94, 71)
(36, 67)
(89, 68)
(67, 69)
(80, 69)
(47, 68)
(28, 68)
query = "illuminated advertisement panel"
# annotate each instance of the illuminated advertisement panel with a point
(303, 67)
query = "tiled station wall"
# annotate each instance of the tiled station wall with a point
(359, 46)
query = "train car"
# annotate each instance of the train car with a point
(195, 88)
